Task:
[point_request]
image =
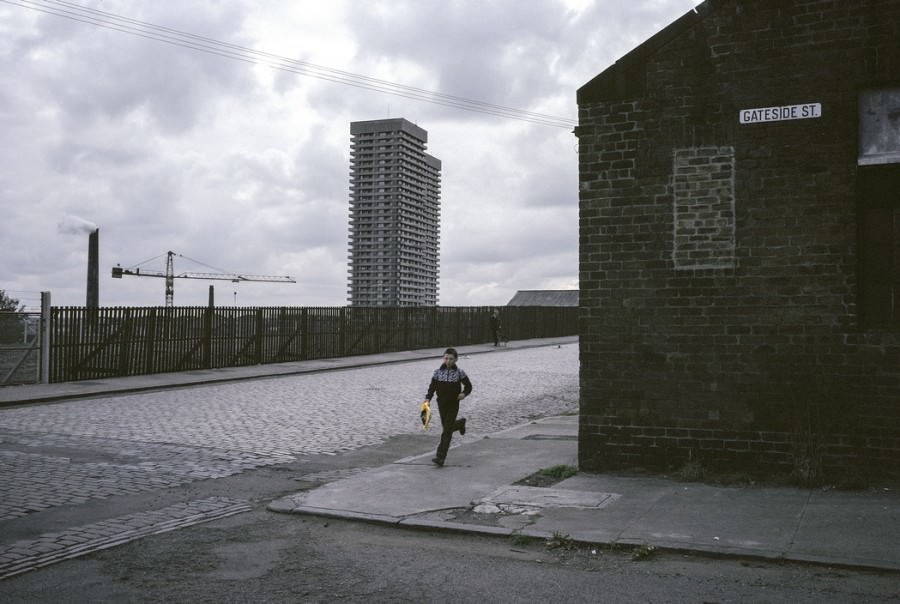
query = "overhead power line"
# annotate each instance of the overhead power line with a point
(134, 27)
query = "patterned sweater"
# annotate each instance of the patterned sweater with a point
(448, 383)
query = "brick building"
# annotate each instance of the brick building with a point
(740, 243)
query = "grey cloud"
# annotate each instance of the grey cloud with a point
(606, 31)
(501, 52)
(519, 236)
(323, 169)
(92, 156)
(96, 74)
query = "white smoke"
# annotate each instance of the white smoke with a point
(75, 225)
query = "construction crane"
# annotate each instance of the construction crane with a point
(169, 275)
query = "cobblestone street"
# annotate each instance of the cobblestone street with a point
(80, 451)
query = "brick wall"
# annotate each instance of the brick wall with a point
(718, 260)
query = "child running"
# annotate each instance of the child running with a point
(452, 385)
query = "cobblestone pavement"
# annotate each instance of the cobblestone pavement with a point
(83, 450)
(24, 556)
(85, 468)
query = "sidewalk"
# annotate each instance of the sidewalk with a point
(42, 393)
(474, 492)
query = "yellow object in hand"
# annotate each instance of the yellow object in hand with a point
(425, 414)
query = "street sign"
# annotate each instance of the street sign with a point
(780, 114)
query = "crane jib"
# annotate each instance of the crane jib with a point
(118, 272)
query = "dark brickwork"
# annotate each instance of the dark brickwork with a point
(718, 260)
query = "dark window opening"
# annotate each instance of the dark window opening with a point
(879, 245)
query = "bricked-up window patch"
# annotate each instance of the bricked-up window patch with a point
(703, 193)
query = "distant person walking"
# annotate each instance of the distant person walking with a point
(452, 385)
(495, 327)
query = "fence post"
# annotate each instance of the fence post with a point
(260, 327)
(405, 330)
(45, 337)
(304, 334)
(342, 332)
(206, 341)
(125, 344)
(150, 349)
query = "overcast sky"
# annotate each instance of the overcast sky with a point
(245, 167)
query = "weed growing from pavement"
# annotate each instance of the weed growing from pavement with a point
(521, 540)
(560, 472)
(643, 552)
(692, 471)
(561, 541)
(548, 476)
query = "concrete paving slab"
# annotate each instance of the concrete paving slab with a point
(555, 428)
(838, 527)
(581, 524)
(748, 521)
(542, 497)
